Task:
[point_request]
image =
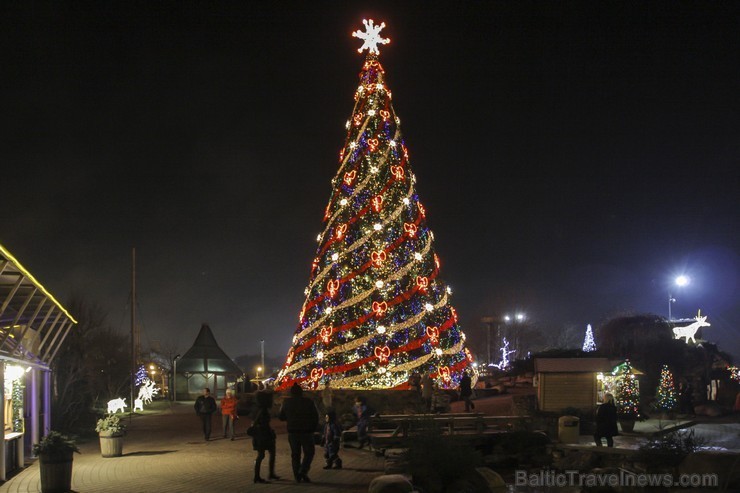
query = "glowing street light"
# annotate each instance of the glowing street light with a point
(259, 370)
(680, 281)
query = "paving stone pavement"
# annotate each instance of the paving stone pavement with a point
(164, 452)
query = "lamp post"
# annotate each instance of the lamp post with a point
(262, 353)
(680, 281)
(489, 325)
(174, 378)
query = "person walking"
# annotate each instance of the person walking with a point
(205, 406)
(466, 391)
(228, 413)
(440, 400)
(362, 411)
(427, 390)
(327, 397)
(303, 420)
(606, 422)
(415, 382)
(263, 436)
(330, 439)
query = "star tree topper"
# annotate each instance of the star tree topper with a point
(371, 37)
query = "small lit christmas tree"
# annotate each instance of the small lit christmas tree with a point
(666, 393)
(376, 309)
(141, 375)
(589, 344)
(628, 392)
(734, 373)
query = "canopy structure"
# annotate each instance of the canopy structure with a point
(205, 364)
(33, 324)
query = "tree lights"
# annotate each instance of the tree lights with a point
(375, 278)
(666, 394)
(628, 392)
(589, 345)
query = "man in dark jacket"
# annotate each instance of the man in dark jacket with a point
(466, 391)
(205, 406)
(303, 420)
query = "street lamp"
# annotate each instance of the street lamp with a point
(680, 281)
(174, 378)
(489, 325)
(259, 369)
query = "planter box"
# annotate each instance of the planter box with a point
(111, 445)
(56, 472)
(627, 425)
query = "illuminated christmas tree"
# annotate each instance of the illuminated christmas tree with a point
(589, 344)
(628, 392)
(376, 310)
(141, 375)
(666, 393)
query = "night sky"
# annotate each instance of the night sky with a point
(573, 158)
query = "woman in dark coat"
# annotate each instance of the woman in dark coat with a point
(606, 422)
(263, 438)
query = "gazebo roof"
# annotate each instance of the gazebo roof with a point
(205, 356)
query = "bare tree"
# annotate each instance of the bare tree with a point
(91, 365)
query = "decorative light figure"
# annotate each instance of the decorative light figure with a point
(689, 331)
(429, 307)
(115, 405)
(380, 329)
(377, 226)
(371, 37)
(505, 352)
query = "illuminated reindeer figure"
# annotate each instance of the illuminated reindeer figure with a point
(690, 330)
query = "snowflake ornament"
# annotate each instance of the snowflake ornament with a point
(371, 37)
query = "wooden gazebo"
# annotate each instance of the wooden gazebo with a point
(205, 364)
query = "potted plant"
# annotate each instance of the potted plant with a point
(55, 452)
(111, 432)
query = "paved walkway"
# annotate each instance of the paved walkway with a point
(164, 452)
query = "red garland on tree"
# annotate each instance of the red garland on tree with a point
(375, 309)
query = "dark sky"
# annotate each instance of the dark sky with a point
(573, 157)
